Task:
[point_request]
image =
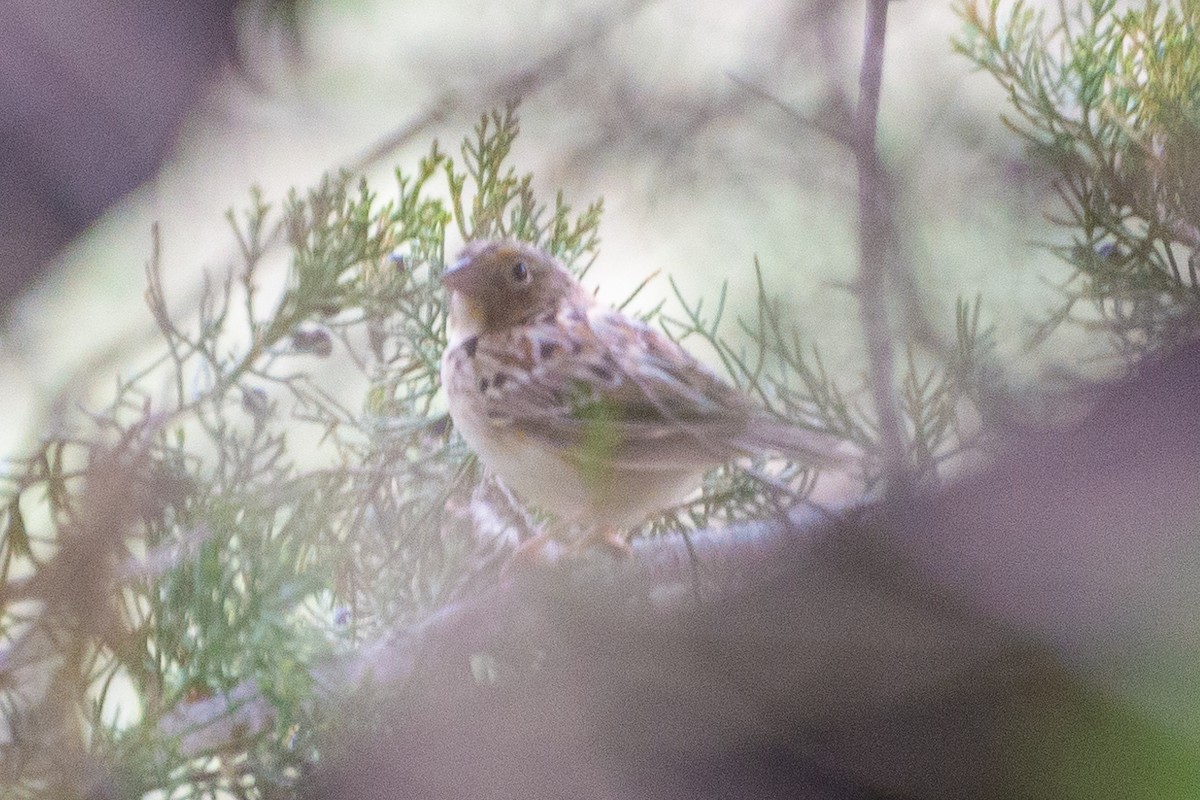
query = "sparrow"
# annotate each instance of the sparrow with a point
(587, 413)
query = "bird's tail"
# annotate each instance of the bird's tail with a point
(802, 444)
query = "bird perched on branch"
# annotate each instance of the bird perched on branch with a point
(585, 412)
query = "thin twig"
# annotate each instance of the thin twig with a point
(876, 245)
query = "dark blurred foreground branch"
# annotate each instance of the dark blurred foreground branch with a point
(996, 655)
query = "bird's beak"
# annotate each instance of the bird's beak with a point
(457, 276)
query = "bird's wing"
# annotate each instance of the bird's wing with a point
(596, 384)
(665, 387)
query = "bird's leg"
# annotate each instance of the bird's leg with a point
(543, 550)
(606, 537)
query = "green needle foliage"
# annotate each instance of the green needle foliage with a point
(180, 568)
(227, 523)
(1109, 98)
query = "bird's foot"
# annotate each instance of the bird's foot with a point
(605, 538)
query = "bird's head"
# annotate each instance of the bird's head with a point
(498, 283)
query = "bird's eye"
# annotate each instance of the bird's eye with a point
(520, 272)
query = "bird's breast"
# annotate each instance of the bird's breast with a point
(540, 474)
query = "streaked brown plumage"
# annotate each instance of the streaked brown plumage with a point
(585, 412)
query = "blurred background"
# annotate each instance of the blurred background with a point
(680, 114)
